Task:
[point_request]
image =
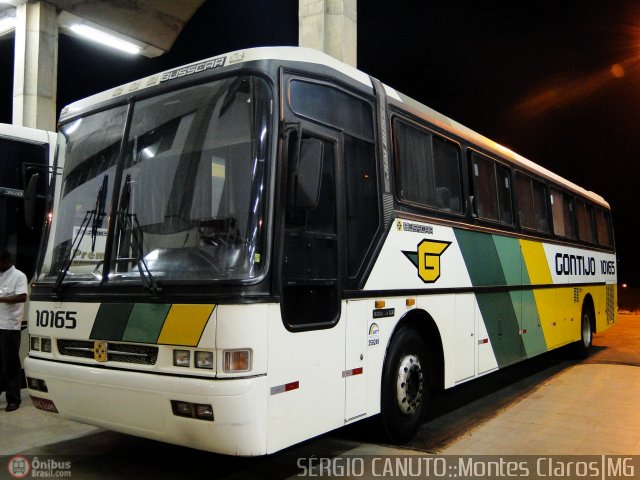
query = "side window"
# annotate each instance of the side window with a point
(603, 228)
(562, 212)
(532, 204)
(352, 116)
(541, 213)
(584, 219)
(427, 168)
(362, 199)
(492, 187)
(332, 106)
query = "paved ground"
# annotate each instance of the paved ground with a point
(587, 408)
(549, 405)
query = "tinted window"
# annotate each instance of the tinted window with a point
(362, 199)
(562, 212)
(541, 214)
(332, 106)
(532, 204)
(492, 187)
(584, 219)
(427, 168)
(603, 228)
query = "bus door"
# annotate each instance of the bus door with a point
(311, 294)
(311, 278)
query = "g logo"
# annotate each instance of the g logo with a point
(427, 259)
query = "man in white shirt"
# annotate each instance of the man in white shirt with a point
(13, 295)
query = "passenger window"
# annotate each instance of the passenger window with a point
(584, 219)
(603, 228)
(562, 212)
(492, 188)
(427, 168)
(532, 204)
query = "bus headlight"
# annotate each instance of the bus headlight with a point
(182, 358)
(204, 360)
(40, 344)
(237, 361)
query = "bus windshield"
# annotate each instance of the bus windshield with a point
(182, 197)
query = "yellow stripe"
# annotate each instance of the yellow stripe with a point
(539, 274)
(184, 324)
(536, 261)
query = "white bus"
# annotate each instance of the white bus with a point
(254, 249)
(23, 152)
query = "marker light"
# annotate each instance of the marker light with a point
(104, 38)
(182, 358)
(237, 361)
(45, 344)
(35, 343)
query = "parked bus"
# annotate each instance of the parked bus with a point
(254, 249)
(23, 153)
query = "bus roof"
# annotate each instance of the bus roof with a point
(307, 55)
(27, 134)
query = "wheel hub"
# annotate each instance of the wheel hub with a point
(410, 384)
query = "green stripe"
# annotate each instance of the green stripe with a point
(481, 257)
(502, 326)
(508, 250)
(145, 323)
(111, 321)
(496, 261)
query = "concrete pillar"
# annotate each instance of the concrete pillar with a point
(329, 26)
(36, 66)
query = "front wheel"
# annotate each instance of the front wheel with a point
(405, 386)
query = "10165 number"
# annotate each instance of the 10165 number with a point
(59, 319)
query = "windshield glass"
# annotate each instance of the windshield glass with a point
(190, 204)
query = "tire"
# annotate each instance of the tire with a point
(405, 386)
(581, 347)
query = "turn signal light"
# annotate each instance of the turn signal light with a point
(237, 361)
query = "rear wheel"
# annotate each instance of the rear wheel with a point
(582, 346)
(405, 386)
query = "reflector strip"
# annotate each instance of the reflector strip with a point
(353, 371)
(523, 331)
(483, 341)
(287, 387)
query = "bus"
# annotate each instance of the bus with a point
(26, 155)
(255, 249)
(23, 152)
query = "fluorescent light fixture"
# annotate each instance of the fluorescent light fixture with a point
(103, 38)
(7, 24)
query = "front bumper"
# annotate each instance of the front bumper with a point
(139, 403)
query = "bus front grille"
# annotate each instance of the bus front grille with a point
(116, 352)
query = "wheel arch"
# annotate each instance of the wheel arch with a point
(423, 323)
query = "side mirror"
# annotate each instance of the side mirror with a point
(30, 196)
(309, 174)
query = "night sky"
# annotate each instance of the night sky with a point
(557, 81)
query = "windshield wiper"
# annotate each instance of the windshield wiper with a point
(128, 221)
(94, 217)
